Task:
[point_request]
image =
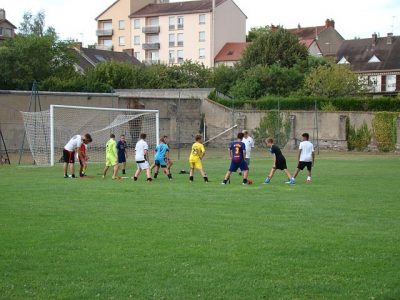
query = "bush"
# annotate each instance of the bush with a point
(275, 125)
(308, 103)
(357, 139)
(385, 130)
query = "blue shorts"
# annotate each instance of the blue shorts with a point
(241, 164)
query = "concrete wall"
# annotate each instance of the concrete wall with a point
(181, 116)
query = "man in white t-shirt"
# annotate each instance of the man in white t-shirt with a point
(74, 146)
(142, 157)
(306, 156)
(249, 143)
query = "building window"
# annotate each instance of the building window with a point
(136, 40)
(121, 24)
(180, 56)
(180, 23)
(390, 83)
(152, 39)
(202, 53)
(136, 24)
(121, 41)
(202, 36)
(171, 40)
(171, 56)
(180, 39)
(202, 19)
(107, 25)
(137, 55)
(171, 23)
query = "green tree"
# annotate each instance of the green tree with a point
(223, 78)
(255, 32)
(274, 46)
(260, 81)
(35, 25)
(332, 80)
(28, 58)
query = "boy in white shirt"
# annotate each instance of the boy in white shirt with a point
(306, 156)
(74, 146)
(142, 157)
(249, 143)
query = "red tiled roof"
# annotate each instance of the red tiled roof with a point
(175, 8)
(231, 52)
(307, 42)
(307, 33)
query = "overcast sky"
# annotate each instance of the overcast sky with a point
(354, 18)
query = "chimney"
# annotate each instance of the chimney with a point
(329, 23)
(389, 38)
(2, 14)
(374, 39)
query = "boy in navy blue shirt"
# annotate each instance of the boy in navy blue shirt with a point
(122, 155)
(237, 153)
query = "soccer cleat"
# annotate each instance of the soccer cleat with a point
(223, 183)
(291, 181)
(66, 176)
(267, 180)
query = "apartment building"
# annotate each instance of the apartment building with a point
(171, 33)
(114, 26)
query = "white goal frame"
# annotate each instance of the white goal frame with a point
(52, 121)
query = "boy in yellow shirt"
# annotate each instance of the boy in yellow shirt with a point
(111, 157)
(196, 155)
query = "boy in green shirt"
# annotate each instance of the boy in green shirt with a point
(111, 157)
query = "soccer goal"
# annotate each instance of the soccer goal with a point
(48, 131)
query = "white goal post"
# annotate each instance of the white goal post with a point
(47, 132)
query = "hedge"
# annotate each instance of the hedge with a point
(308, 103)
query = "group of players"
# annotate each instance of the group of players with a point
(239, 152)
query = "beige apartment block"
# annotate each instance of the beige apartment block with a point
(113, 24)
(171, 33)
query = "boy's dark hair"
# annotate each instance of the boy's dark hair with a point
(112, 135)
(240, 135)
(270, 140)
(162, 140)
(143, 136)
(122, 135)
(88, 137)
(198, 137)
(305, 135)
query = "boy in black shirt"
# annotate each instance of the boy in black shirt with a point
(279, 162)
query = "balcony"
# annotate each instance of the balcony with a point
(104, 32)
(151, 46)
(104, 47)
(151, 29)
(151, 61)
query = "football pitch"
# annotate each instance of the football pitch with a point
(337, 238)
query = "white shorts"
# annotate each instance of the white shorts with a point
(143, 165)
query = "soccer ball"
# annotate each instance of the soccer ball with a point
(249, 181)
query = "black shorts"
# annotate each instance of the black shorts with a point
(281, 164)
(121, 158)
(69, 156)
(302, 164)
(161, 164)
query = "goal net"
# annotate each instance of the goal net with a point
(49, 131)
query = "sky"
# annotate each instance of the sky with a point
(74, 19)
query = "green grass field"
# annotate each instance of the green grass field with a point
(337, 238)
